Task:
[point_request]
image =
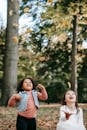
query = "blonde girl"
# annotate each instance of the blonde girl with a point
(71, 116)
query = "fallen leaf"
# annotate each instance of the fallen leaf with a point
(15, 39)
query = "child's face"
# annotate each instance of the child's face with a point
(70, 96)
(27, 85)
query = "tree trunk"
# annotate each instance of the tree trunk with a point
(74, 85)
(11, 52)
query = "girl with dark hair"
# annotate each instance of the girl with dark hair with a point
(26, 101)
(71, 116)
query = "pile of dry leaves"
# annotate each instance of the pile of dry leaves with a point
(47, 117)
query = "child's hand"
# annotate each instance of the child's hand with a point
(40, 86)
(67, 115)
(12, 101)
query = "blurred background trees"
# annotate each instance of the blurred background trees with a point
(10, 59)
(47, 44)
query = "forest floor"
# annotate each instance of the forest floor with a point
(47, 117)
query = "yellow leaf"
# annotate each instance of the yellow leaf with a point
(69, 84)
(28, 31)
(26, 10)
(84, 15)
(76, 57)
(41, 58)
(15, 39)
(15, 25)
(62, 37)
(11, 12)
(69, 45)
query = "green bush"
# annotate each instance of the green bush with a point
(55, 92)
(82, 91)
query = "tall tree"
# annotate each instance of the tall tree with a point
(71, 11)
(11, 52)
(74, 84)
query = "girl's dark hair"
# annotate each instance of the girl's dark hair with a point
(19, 87)
(63, 100)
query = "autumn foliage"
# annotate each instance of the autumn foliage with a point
(47, 117)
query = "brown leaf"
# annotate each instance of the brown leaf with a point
(50, 1)
(15, 39)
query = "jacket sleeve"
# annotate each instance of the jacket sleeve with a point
(13, 100)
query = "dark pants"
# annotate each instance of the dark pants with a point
(25, 123)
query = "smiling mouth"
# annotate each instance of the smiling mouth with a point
(70, 97)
